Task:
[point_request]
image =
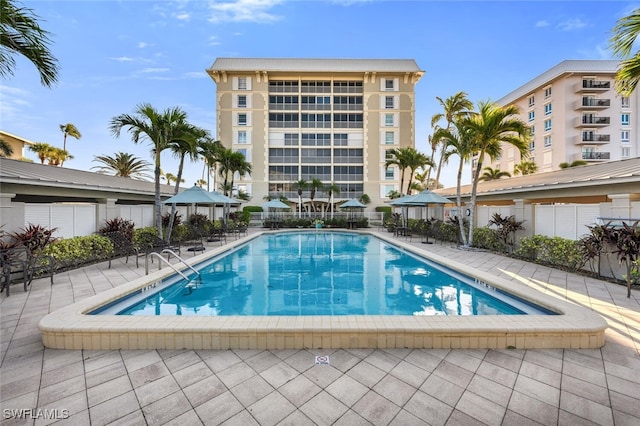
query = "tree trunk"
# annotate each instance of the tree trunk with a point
(463, 235)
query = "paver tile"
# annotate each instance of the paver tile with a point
(323, 409)
(347, 390)
(271, 409)
(376, 409)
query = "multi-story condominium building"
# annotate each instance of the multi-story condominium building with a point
(574, 113)
(328, 119)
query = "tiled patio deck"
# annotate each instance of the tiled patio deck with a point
(400, 387)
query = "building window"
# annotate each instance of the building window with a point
(242, 101)
(547, 92)
(388, 120)
(547, 125)
(532, 146)
(291, 139)
(532, 101)
(547, 141)
(532, 130)
(547, 109)
(388, 84)
(624, 102)
(242, 83)
(626, 152)
(389, 138)
(625, 119)
(532, 115)
(388, 102)
(341, 139)
(242, 136)
(624, 136)
(242, 119)
(389, 174)
(388, 155)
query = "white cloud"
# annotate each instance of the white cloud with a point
(183, 16)
(543, 23)
(153, 70)
(143, 44)
(123, 59)
(243, 11)
(213, 41)
(572, 24)
(196, 74)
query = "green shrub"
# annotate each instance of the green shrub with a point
(77, 251)
(142, 237)
(247, 210)
(554, 251)
(486, 238)
(386, 212)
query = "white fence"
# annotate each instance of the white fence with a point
(567, 221)
(70, 219)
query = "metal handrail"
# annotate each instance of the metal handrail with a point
(169, 251)
(159, 256)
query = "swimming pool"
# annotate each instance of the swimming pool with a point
(72, 327)
(321, 273)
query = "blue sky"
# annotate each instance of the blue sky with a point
(115, 55)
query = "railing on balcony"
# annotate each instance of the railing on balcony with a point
(596, 138)
(590, 102)
(596, 155)
(596, 120)
(595, 84)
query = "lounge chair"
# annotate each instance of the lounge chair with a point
(122, 247)
(20, 262)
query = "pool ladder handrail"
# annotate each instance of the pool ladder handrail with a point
(159, 256)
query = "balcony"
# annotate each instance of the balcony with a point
(592, 103)
(592, 121)
(592, 138)
(595, 156)
(593, 86)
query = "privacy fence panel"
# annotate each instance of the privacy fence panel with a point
(71, 219)
(565, 220)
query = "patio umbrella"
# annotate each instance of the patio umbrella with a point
(426, 198)
(352, 205)
(193, 195)
(275, 204)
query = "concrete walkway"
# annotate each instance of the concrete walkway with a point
(358, 387)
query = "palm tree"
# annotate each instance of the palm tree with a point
(625, 33)
(21, 34)
(493, 174)
(433, 143)
(57, 156)
(458, 141)
(201, 182)
(525, 168)
(332, 189)
(124, 165)
(396, 158)
(170, 177)
(314, 185)
(364, 199)
(5, 149)
(455, 107)
(415, 160)
(210, 152)
(576, 163)
(42, 150)
(300, 185)
(69, 130)
(159, 129)
(492, 126)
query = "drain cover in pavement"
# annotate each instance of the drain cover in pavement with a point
(322, 360)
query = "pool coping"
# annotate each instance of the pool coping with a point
(575, 326)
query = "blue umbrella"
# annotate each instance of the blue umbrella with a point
(193, 195)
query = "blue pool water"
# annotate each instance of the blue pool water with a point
(321, 273)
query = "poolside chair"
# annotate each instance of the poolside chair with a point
(20, 262)
(122, 247)
(217, 235)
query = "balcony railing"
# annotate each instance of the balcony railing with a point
(594, 103)
(596, 138)
(596, 155)
(593, 85)
(596, 121)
